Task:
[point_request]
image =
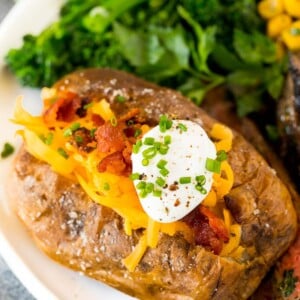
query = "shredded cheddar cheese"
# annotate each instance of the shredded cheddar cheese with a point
(115, 191)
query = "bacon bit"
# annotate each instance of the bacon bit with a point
(97, 120)
(113, 163)
(110, 138)
(216, 224)
(208, 232)
(64, 109)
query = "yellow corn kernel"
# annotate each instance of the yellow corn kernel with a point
(291, 36)
(277, 24)
(270, 8)
(292, 7)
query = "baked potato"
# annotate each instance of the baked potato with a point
(94, 239)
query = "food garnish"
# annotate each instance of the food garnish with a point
(130, 174)
(7, 150)
(203, 45)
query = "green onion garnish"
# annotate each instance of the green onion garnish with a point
(137, 132)
(164, 172)
(141, 185)
(185, 180)
(136, 148)
(8, 149)
(120, 99)
(201, 189)
(149, 153)
(145, 162)
(167, 139)
(161, 164)
(164, 123)
(182, 127)
(88, 105)
(157, 145)
(48, 139)
(149, 187)
(143, 193)
(221, 155)
(92, 132)
(134, 176)
(113, 121)
(71, 129)
(78, 139)
(163, 149)
(149, 141)
(201, 179)
(63, 153)
(106, 186)
(157, 193)
(213, 165)
(160, 181)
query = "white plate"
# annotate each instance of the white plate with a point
(44, 278)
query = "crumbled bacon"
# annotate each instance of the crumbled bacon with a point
(110, 138)
(113, 163)
(209, 230)
(63, 109)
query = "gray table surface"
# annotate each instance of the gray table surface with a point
(10, 287)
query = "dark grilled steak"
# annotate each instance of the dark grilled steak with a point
(289, 119)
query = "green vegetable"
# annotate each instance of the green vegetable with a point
(189, 45)
(63, 153)
(288, 284)
(213, 165)
(7, 150)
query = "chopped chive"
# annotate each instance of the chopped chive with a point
(92, 132)
(295, 31)
(143, 193)
(167, 139)
(63, 153)
(130, 122)
(149, 153)
(161, 164)
(88, 105)
(145, 162)
(149, 187)
(164, 123)
(160, 181)
(120, 99)
(8, 149)
(106, 186)
(201, 179)
(141, 185)
(157, 193)
(164, 172)
(137, 132)
(68, 132)
(78, 139)
(75, 126)
(149, 141)
(213, 165)
(221, 155)
(182, 127)
(71, 129)
(163, 149)
(136, 148)
(134, 176)
(157, 145)
(201, 189)
(113, 121)
(48, 139)
(185, 180)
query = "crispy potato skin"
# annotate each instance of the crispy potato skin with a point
(88, 237)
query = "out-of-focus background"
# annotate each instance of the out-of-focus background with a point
(10, 287)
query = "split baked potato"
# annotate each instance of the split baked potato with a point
(92, 238)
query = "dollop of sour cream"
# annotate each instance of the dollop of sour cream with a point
(169, 170)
